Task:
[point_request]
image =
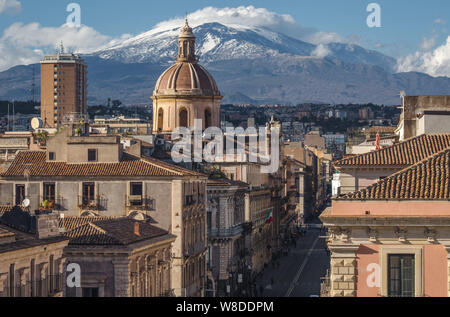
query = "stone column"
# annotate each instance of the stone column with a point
(343, 270)
(122, 276)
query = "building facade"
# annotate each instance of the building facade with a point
(391, 239)
(228, 257)
(31, 254)
(82, 175)
(119, 257)
(361, 171)
(63, 88)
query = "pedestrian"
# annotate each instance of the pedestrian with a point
(272, 281)
(261, 290)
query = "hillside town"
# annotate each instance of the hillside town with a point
(307, 200)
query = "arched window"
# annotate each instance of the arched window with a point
(160, 120)
(185, 45)
(184, 118)
(208, 118)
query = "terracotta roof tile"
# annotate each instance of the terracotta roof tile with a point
(402, 154)
(35, 162)
(71, 223)
(118, 231)
(426, 180)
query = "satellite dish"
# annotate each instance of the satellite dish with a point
(26, 203)
(36, 123)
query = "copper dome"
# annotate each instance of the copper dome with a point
(186, 78)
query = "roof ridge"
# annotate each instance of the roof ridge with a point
(387, 182)
(388, 153)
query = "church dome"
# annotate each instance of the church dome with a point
(186, 77)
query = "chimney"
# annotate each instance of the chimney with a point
(136, 229)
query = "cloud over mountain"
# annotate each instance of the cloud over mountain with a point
(433, 62)
(254, 17)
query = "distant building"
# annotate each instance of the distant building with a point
(424, 115)
(366, 114)
(63, 88)
(314, 140)
(121, 125)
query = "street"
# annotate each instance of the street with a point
(299, 273)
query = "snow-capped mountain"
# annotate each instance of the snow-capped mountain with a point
(218, 42)
(250, 65)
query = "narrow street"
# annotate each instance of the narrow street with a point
(299, 273)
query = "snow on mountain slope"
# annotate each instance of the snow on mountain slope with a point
(216, 42)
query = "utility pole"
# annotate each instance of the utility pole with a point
(9, 123)
(14, 115)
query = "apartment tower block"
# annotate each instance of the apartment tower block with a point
(63, 88)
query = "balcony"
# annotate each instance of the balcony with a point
(92, 204)
(56, 204)
(195, 249)
(139, 202)
(226, 232)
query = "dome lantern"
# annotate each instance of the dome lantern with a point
(186, 45)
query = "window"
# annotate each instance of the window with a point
(49, 192)
(51, 156)
(90, 292)
(136, 194)
(401, 275)
(92, 155)
(88, 193)
(20, 194)
(136, 189)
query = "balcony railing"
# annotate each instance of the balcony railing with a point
(195, 249)
(139, 202)
(53, 204)
(91, 203)
(226, 232)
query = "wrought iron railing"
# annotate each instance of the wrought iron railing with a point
(140, 202)
(92, 203)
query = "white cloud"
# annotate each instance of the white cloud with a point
(434, 63)
(22, 44)
(427, 43)
(253, 17)
(440, 21)
(321, 51)
(10, 6)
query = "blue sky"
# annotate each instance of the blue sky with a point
(408, 26)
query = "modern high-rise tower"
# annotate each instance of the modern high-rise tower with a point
(63, 88)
